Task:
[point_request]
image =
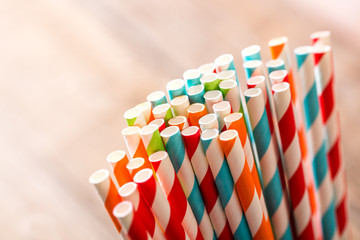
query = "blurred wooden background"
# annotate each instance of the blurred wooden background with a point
(69, 70)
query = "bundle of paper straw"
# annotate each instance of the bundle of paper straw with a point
(209, 160)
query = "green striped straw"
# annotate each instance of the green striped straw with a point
(163, 111)
(210, 81)
(151, 138)
(134, 117)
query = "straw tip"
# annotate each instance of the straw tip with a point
(123, 209)
(99, 176)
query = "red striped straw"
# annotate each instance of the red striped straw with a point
(191, 137)
(324, 77)
(235, 121)
(321, 38)
(209, 121)
(156, 200)
(245, 186)
(212, 97)
(174, 192)
(130, 192)
(294, 168)
(160, 123)
(179, 121)
(118, 161)
(222, 109)
(131, 221)
(146, 109)
(195, 112)
(137, 164)
(106, 189)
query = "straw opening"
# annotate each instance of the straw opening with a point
(233, 117)
(135, 163)
(190, 131)
(196, 107)
(253, 92)
(169, 131)
(127, 189)
(320, 34)
(209, 134)
(143, 175)
(214, 94)
(224, 59)
(280, 87)
(177, 120)
(228, 84)
(195, 89)
(303, 50)
(161, 108)
(158, 156)
(123, 209)
(221, 106)
(155, 96)
(144, 106)
(115, 156)
(255, 80)
(252, 64)
(208, 67)
(179, 100)
(191, 74)
(148, 129)
(278, 74)
(130, 130)
(158, 122)
(275, 63)
(99, 176)
(251, 50)
(226, 74)
(322, 49)
(278, 41)
(175, 84)
(208, 118)
(228, 135)
(209, 77)
(132, 113)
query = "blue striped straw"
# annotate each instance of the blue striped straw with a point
(192, 77)
(251, 53)
(196, 94)
(276, 64)
(175, 88)
(316, 137)
(156, 98)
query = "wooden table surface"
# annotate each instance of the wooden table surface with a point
(69, 70)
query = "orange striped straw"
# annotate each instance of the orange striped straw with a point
(146, 109)
(136, 164)
(195, 112)
(179, 121)
(245, 186)
(108, 193)
(118, 161)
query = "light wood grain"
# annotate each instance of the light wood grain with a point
(69, 69)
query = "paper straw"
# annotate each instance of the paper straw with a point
(299, 197)
(134, 143)
(191, 137)
(278, 76)
(160, 123)
(179, 121)
(176, 150)
(207, 68)
(106, 189)
(146, 109)
(163, 111)
(176, 88)
(196, 94)
(156, 98)
(227, 74)
(253, 68)
(130, 192)
(195, 112)
(317, 144)
(156, 200)
(209, 121)
(134, 117)
(131, 221)
(230, 91)
(118, 161)
(192, 77)
(174, 193)
(260, 228)
(222, 109)
(321, 38)
(210, 81)
(251, 53)
(224, 183)
(212, 97)
(151, 138)
(324, 77)
(137, 164)
(180, 105)
(224, 62)
(275, 64)
(235, 121)
(273, 191)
